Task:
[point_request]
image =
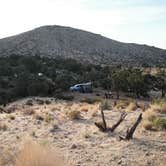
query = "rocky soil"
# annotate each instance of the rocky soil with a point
(79, 140)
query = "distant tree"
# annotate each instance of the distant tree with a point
(137, 83)
(161, 82)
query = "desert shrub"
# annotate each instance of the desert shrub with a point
(39, 101)
(147, 125)
(29, 102)
(73, 114)
(3, 127)
(11, 117)
(159, 105)
(33, 154)
(150, 115)
(160, 123)
(64, 97)
(132, 106)
(90, 100)
(47, 101)
(121, 104)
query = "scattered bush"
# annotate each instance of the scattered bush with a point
(159, 105)
(132, 107)
(90, 100)
(122, 104)
(29, 102)
(147, 125)
(11, 117)
(64, 97)
(73, 114)
(160, 123)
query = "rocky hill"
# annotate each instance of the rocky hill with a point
(66, 42)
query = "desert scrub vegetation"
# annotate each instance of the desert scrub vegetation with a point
(34, 154)
(132, 106)
(121, 104)
(159, 105)
(73, 114)
(153, 120)
(105, 105)
(91, 100)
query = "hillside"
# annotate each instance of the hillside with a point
(55, 41)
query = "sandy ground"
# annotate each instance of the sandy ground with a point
(80, 140)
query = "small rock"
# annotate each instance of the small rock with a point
(74, 146)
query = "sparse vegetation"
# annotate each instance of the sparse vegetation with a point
(33, 154)
(73, 114)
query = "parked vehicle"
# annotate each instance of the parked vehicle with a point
(83, 88)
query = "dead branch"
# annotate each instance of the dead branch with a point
(130, 132)
(122, 117)
(102, 125)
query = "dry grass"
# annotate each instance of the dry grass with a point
(33, 154)
(132, 106)
(73, 114)
(150, 115)
(159, 105)
(122, 104)
(147, 125)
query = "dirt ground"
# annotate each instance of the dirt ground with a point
(80, 140)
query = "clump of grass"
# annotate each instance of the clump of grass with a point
(3, 127)
(160, 123)
(122, 104)
(90, 100)
(29, 102)
(152, 120)
(33, 154)
(132, 106)
(73, 114)
(11, 117)
(147, 125)
(159, 105)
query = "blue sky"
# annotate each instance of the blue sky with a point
(136, 21)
